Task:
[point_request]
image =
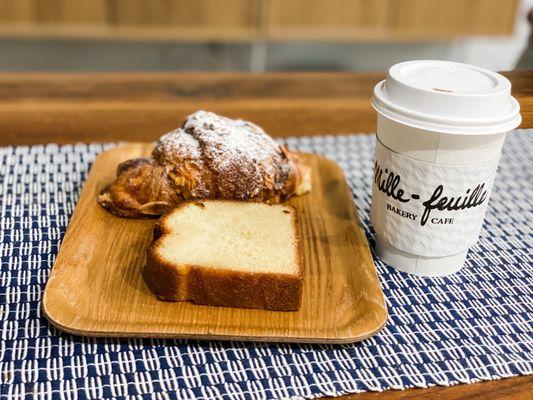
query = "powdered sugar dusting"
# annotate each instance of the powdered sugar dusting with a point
(238, 158)
(241, 155)
(177, 144)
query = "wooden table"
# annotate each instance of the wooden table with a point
(42, 108)
(66, 108)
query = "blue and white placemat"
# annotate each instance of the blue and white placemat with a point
(475, 325)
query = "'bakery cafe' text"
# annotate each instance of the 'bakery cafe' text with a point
(406, 214)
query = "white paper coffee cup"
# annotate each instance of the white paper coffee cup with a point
(441, 128)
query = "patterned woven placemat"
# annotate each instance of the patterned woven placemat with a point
(472, 326)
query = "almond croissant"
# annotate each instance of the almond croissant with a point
(208, 157)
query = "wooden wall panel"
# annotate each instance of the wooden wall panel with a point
(187, 19)
(494, 16)
(186, 13)
(16, 11)
(248, 20)
(139, 12)
(343, 19)
(451, 17)
(332, 13)
(83, 11)
(52, 11)
(228, 13)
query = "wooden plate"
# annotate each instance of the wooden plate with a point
(96, 288)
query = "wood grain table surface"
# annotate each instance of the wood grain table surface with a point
(67, 108)
(43, 108)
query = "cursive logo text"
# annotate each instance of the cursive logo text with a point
(389, 184)
(439, 202)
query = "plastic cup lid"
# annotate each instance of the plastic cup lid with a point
(447, 97)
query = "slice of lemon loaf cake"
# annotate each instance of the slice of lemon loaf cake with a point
(227, 253)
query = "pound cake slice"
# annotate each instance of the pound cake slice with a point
(227, 253)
